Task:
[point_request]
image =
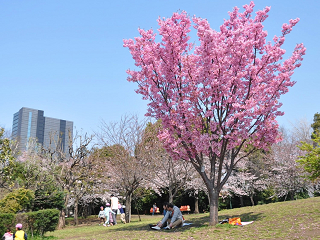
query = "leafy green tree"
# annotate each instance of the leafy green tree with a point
(17, 200)
(48, 198)
(316, 124)
(311, 160)
(6, 161)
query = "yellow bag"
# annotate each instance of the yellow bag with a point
(235, 221)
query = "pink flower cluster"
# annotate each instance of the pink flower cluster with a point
(220, 95)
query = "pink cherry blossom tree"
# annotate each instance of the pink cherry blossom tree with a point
(217, 98)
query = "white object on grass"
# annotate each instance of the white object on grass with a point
(246, 223)
(186, 224)
(156, 227)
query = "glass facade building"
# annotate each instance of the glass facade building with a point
(31, 123)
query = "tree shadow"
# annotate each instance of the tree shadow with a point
(197, 222)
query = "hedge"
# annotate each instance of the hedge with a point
(42, 221)
(37, 223)
(6, 220)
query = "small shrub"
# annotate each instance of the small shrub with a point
(42, 221)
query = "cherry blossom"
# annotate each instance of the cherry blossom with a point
(216, 98)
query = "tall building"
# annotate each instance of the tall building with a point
(31, 123)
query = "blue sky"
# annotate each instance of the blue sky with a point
(67, 58)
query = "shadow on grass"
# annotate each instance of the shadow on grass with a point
(41, 238)
(197, 222)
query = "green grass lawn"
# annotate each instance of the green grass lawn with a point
(298, 219)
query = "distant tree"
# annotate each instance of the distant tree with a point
(18, 200)
(287, 177)
(316, 123)
(216, 99)
(31, 172)
(249, 177)
(166, 173)
(7, 161)
(122, 157)
(195, 186)
(48, 198)
(73, 170)
(311, 160)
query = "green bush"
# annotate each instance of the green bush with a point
(46, 199)
(42, 221)
(17, 200)
(6, 220)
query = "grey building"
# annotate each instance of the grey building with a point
(31, 123)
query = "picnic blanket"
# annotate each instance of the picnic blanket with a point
(155, 227)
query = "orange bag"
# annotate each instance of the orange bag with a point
(235, 221)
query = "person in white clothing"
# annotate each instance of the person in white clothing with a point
(114, 207)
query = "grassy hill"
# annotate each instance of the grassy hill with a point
(298, 219)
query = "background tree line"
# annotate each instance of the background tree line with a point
(126, 158)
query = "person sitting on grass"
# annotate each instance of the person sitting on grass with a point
(20, 234)
(164, 214)
(165, 208)
(101, 216)
(176, 217)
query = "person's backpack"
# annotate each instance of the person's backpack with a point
(224, 221)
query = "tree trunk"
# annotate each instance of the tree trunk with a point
(128, 208)
(251, 198)
(196, 203)
(241, 201)
(214, 205)
(213, 194)
(62, 220)
(75, 212)
(292, 195)
(62, 216)
(138, 211)
(170, 196)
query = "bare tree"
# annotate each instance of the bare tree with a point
(72, 169)
(123, 156)
(167, 173)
